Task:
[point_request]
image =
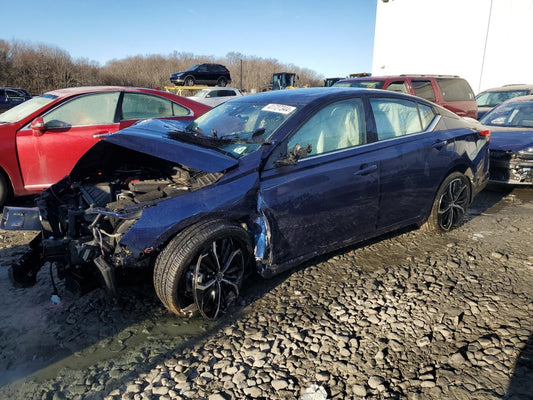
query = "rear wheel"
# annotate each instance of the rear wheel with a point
(202, 269)
(450, 205)
(222, 82)
(189, 81)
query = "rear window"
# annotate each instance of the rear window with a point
(455, 89)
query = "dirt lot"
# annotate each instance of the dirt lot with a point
(419, 316)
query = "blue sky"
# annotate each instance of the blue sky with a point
(332, 38)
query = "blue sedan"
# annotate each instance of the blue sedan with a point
(262, 182)
(511, 145)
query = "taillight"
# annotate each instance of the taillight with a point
(486, 134)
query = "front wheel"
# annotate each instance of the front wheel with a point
(189, 81)
(450, 205)
(202, 269)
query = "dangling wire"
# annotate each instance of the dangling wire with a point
(55, 299)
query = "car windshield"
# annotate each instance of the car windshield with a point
(361, 84)
(492, 99)
(516, 114)
(240, 128)
(192, 68)
(24, 109)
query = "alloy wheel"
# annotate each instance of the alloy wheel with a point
(453, 204)
(218, 275)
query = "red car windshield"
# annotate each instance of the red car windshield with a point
(24, 109)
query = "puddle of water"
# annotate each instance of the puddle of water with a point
(159, 336)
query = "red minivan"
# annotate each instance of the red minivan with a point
(449, 91)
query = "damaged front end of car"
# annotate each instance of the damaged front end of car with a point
(507, 166)
(83, 217)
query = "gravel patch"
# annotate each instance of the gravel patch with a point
(408, 316)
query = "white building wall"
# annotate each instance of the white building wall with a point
(487, 42)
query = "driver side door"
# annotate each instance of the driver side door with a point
(70, 130)
(328, 198)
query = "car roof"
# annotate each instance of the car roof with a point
(220, 88)
(508, 88)
(309, 95)
(519, 99)
(89, 89)
(408, 76)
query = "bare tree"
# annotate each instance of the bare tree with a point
(40, 68)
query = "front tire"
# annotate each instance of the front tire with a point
(189, 81)
(202, 269)
(450, 205)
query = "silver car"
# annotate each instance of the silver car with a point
(215, 96)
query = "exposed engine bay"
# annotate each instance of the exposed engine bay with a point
(84, 215)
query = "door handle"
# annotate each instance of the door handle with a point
(102, 134)
(366, 169)
(439, 144)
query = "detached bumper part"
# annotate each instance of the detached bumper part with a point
(107, 271)
(23, 272)
(20, 219)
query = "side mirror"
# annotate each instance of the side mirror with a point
(294, 155)
(37, 126)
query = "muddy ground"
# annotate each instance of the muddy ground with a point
(93, 347)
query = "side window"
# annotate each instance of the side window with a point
(226, 93)
(397, 117)
(398, 86)
(423, 88)
(139, 105)
(426, 115)
(455, 89)
(92, 109)
(13, 93)
(334, 127)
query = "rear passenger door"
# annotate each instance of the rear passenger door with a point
(412, 156)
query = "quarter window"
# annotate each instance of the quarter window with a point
(93, 109)
(397, 117)
(337, 126)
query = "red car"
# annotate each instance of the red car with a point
(42, 138)
(448, 91)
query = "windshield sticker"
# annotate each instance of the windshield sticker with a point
(279, 108)
(239, 150)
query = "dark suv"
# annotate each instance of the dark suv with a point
(449, 91)
(10, 97)
(202, 74)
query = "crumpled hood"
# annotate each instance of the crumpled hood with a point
(151, 137)
(506, 138)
